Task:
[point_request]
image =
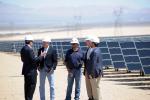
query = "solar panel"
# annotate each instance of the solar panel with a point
(58, 43)
(115, 51)
(117, 57)
(132, 59)
(58, 47)
(127, 45)
(64, 51)
(134, 66)
(82, 44)
(143, 49)
(141, 45)
(55, 47)
(107, 62)
(119, 64)
(113, 44)
(102, 44)
(145, 61)
(129, 52)
(132, 53)
(106, 56)
(66, 47)
(53, 43)
(66, 43)
(104, 50)
(146, 70)
(84, 48)
(144, 53)
(115, 54)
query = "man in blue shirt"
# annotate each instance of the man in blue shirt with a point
(74, 61)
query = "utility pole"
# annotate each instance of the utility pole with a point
(118, 21)
(11, 27)
(78, 24)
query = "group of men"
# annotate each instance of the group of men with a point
(75, 58)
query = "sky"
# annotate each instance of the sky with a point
(62, 12)
(36, 4)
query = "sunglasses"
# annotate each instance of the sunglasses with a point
(73, 44)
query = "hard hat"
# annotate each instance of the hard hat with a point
(29, 37)
(74, 40)
(88, 38)
(46, 40)
(95, 39)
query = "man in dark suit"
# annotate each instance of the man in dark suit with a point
(93, 68)
(29, 67)
(46, 68)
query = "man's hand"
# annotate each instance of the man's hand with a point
(90, 77)
(38, 68)
(43, 54)
(68, 70)
(50, 71)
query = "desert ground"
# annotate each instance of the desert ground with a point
(114, 85)
(98, 31)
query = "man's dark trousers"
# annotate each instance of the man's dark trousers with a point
(29, 85)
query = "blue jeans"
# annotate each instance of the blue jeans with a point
(50, 77)
(74, 74)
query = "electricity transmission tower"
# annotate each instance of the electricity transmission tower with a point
(118, 21)
(78, 23)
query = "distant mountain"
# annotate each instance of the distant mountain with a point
(13, 15)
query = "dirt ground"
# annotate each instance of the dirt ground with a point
(114, 85)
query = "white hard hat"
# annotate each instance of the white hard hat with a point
(95, 40)
(74, 40)
(29, 37)
(46, 40)
(88, 38)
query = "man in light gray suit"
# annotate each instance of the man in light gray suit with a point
(93, 68)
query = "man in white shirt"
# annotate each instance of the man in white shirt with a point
(46, 68)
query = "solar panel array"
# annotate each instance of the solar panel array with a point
(132, 53)
(6, 46)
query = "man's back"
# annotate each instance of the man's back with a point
(27, 57)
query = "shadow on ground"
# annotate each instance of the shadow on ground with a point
(132, 79)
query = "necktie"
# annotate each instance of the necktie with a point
(45, 51)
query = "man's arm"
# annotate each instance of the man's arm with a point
(39, 52)
(33, 58)
(21, 54)
(66, 61)
(96, 64)
(54, 59)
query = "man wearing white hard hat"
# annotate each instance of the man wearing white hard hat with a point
(47, 67)
(29, 69)
(74, 61)
(93, 68)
